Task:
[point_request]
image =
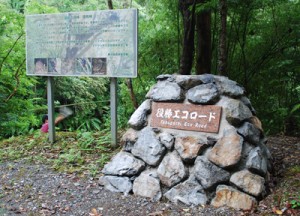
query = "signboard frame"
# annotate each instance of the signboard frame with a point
(91, 43)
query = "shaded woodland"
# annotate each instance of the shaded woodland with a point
(255, 43)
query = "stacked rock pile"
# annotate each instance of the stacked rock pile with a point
(228, 167)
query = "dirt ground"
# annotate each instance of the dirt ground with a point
(32, 188)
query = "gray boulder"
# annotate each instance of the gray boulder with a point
(166, 91)
(171, 170)
(249, 182)
(189, 192)
(266, 154)
(167, 140)
(236, 112)
(167, 77)
(189, 147)
(116, 184)
(148, 148)
(247, 102)
(138, 120)
(251, 133)
(256, 162)
(123, 164)
(229, 87)
(188, 81)
(227, 151)
(207, 78)
(128, 139)
(147, 185)
(208, 174)
(203, 94)
(231, 197)
(247, 148)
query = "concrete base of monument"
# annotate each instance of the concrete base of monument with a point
(195, 140)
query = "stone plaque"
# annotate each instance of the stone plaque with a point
(91, 43)
(204, 118)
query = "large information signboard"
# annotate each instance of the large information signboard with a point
(93, 43)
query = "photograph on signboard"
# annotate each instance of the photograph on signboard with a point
(40, 65)
(99, 66)
(68, 66)
(83, 66)
(54, 65)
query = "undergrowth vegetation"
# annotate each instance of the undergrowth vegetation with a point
(287, 194)
(84, 153)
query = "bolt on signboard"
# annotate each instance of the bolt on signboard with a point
(92, 43)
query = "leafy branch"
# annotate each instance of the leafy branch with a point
(10, 50)
(17, 74)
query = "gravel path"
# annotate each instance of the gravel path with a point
(31, 189)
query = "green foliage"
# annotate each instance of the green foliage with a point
(86, 140)
(16, 90)
(52, 6)
(296, 107)
(262, 50)
(88, 98)
(126, 110)
(295, 203)
(90, 125)
(158, 43)
(81, 152)
(207, 5)
(18, 5)
(71, 157)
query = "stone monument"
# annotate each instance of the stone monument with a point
(195, 140)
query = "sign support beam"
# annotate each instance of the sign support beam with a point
(113, 110)
(51, 118)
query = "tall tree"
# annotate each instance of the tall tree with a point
(203, 46)
(110, 4)
(195, 25)
(222, 39)
(188, 16)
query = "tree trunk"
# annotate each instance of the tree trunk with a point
(110, 4)
(203, 49)
(186, 60)
(132, 94)
(222, 63)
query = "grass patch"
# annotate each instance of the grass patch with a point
(288, 193)
(294, 170)
(79, 152)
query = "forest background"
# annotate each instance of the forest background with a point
(254, 42)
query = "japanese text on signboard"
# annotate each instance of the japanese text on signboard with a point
(186, 117)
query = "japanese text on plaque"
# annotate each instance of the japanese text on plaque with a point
(205, 118)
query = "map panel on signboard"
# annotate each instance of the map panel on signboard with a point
(93, 43)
